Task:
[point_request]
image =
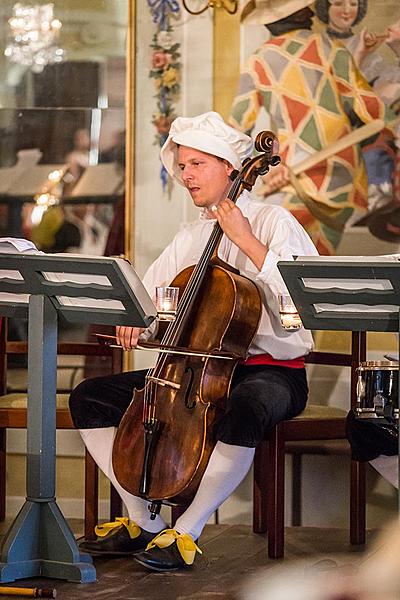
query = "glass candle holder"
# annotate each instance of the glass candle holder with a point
(166, 302)
(290, 318)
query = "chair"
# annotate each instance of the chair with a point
(13, 414)
(315, 424)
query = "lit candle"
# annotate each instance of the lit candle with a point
(290, 320)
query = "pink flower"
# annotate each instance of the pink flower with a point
(160, 60)
(163, 124)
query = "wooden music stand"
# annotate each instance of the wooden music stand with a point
(84, 290)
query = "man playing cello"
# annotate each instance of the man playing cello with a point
(269, 386)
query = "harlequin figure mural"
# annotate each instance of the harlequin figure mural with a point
(340, 16)
(310, 87)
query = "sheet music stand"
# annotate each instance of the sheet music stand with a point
(346, 294)
(81, 289)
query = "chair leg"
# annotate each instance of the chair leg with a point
(296, 489)
(115, 504)
(357, 502)
(3, 474)
(276, 493)
(260, 487)
(91, 496)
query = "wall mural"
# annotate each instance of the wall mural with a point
(371, 32)
(376, 52)
(312, 109)
(165, 69)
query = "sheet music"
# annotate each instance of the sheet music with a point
(383, 258)
(9, 245)
(35, 180)
(355, 308)
(349, 284)
(99, 180)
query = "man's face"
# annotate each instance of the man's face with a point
(204, 175)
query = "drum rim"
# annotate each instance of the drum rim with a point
(370, 365)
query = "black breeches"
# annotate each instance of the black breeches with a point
(261, 396)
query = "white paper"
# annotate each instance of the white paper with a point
(347, 284)
(99, 180)
(9, 245)
(383, 258)
(356, 308)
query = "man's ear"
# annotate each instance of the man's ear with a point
(228, 167)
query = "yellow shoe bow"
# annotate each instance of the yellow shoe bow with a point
(105, 528)
(185, 544)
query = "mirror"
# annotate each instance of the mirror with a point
(62, 122)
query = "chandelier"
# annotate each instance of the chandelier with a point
(34, 32)
(230, 6)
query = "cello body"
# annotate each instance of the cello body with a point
(189, 392)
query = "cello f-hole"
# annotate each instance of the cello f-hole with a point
(189, 402)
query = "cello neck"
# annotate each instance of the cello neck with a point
(173, 331)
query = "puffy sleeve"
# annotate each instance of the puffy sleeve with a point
(285, 239)
(356, 93)
(249, 98)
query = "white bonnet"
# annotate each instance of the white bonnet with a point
(209, 133)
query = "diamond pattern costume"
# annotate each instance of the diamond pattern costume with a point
(310, 87)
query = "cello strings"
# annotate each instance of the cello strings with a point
(175, 328)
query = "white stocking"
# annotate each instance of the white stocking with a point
(227, 467)
(99, 443)
(388, 467)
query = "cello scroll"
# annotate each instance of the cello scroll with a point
(265, 143)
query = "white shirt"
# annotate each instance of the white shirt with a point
(284, 237)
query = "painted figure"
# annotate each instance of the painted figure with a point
(315, 96)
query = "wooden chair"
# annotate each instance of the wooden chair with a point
(13, 414)
(315, 424)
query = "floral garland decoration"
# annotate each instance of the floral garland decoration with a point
(165, 70)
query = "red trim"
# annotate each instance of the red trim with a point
(267, 359)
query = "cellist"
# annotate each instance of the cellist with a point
(269, 386)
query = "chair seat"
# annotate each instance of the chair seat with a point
(13, 411)
(19, 400)
(320, 411)
(322, 447)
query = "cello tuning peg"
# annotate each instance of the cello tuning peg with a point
(275, 160)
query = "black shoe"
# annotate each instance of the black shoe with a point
(117, 542)
(169, 557)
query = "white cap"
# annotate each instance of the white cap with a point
(264, 12)
(209, 133)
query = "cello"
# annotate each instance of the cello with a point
(165, 438)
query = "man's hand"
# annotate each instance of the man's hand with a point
(276, 178)
(393, 37)
(237, 228)
(128, 337)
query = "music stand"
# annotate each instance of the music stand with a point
(84, 290)
(346, 294)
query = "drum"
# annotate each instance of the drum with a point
(377, 390)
